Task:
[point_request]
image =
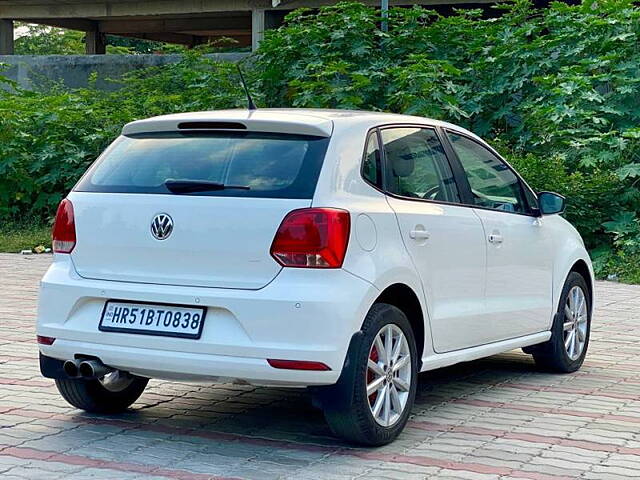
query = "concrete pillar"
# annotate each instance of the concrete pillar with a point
(257, 27)
(262, 20)
(96, 43)
(6, 37)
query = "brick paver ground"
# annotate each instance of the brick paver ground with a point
(489, 419)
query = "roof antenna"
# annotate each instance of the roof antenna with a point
(252, 106)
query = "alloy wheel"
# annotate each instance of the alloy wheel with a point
(575, 323)
(389, 373)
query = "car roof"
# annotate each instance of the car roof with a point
(304, 121)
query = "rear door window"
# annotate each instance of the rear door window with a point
(417, 166)
(270, 165)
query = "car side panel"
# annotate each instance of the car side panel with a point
(376, 252)
(452, 265)
(568, 249)
(519, 273)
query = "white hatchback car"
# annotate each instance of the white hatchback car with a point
(341, 251)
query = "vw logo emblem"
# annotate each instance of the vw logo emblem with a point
(161, 226)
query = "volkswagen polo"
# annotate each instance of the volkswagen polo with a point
(340, 251)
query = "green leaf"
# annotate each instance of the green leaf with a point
(631, 170)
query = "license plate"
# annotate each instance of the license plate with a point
(152, 319)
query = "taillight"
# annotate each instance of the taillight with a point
(64, 228)
(45, 340)
(312, 238)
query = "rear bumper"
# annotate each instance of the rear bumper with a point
(301, 315)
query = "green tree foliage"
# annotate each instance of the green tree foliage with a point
(127, 45)
(43, 40)
(48, 141)
(558, 90)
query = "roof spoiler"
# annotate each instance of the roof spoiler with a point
(254, 122)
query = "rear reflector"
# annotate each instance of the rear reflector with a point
(64, 228)
(297, 365)
(312, 238)
(45, 340)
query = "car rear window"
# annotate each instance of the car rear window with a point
(271, 165)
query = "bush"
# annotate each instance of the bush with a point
(558, 89)
(48, 140)
(593, 198)
(563, 100)
(25, 236)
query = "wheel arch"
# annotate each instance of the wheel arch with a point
(402, 296)
(569, 255)
(581, 267)
(576, 261)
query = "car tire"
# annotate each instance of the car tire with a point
(565, 351)
(92, 395)
(348, 409)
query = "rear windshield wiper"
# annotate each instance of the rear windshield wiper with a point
(192, 186)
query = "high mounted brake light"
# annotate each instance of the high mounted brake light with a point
(312, 238)
(64, 228)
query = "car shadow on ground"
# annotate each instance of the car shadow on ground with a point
(237, 413)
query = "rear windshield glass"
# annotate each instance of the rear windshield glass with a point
(270, 165)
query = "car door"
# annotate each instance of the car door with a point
(519, 260)
(444, 239)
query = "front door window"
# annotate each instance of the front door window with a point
(493, 184)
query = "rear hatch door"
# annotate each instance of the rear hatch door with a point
(192, 209)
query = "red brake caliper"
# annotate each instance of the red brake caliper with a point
(370, 375)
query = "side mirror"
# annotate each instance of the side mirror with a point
(551, 203)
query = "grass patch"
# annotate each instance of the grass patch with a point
(17, 237)
(622, 267)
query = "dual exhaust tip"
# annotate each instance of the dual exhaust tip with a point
(87, 369)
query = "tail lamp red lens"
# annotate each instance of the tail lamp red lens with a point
(64, 228)
(312, 238)
(298, 365)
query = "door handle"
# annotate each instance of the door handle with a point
(419, 234)
(495, 238)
